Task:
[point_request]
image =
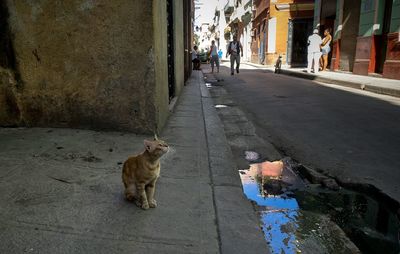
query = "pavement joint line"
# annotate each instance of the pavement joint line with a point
(259, 240)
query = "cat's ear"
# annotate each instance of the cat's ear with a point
(148, 145)
(155, 136)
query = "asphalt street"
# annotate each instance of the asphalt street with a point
(349, 134)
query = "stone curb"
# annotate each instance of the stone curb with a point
(356, 85)
(238, 225)
(362, 86)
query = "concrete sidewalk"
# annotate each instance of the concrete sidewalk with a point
(372, 84)
(62, 191)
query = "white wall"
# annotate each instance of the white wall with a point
(246, 43)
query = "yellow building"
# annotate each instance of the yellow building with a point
(281, 28)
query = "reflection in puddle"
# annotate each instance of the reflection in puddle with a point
(221, 106)
(280, 211)
(300, 218)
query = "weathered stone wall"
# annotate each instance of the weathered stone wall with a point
(89, 64)
(160, 60)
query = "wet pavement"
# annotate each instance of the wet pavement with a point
(304, 218)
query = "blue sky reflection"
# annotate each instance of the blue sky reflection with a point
(279, 216)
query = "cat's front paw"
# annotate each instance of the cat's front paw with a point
(145, 206)
(153, 203)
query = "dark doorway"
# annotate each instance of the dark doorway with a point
(263, 39)
(7, 55)
(328, 12)
(299, 30)
(188, 36)
(382, 40)
(327, 20)
(170, 50)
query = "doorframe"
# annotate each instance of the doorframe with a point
(170, 50)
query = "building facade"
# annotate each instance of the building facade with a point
(232, 17)
(112, 65)
(279, 29)
(260, 12)
(366, 35)
(238, 18)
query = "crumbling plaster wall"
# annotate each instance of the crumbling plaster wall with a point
(87, 64)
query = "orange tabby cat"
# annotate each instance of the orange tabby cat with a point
(140, 173)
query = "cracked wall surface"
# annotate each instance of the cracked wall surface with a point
(82, 64)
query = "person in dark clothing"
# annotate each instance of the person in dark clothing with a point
(195, 59)
(235, 49)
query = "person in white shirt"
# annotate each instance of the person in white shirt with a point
(235, 49)
(314, 51)
(195, 59)
(213, 53)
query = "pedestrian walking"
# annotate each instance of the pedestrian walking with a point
(235, 49)
(195, 59)
(325, 49)
(213, 53)
(314, 51)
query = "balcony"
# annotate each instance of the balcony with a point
(228, 10)
(248, 4)
(211, 28)
(246, 18)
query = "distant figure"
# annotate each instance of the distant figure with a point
(195, 59)
(235, 49)
(325, 48)
(278, 64)
(213, 56)
(220, 54)
(314, 51)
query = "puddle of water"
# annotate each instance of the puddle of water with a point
(279, 212)
(370, 224)
(220, 106)
(297, 218)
